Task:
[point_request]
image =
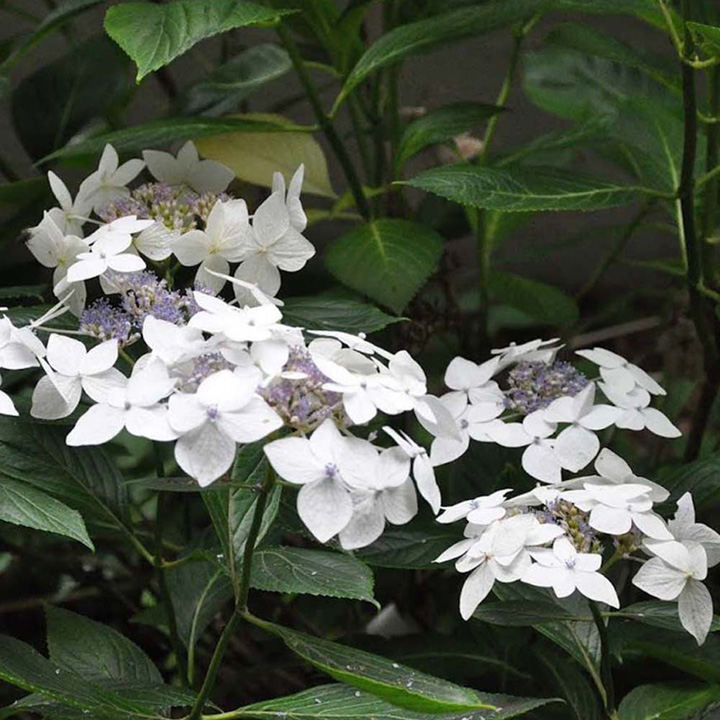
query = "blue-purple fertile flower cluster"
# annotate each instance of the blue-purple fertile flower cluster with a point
(534, 385)
(104, 321)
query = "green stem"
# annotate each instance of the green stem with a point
(605, 660)
(241, 605)
(710, 197)
(325, 122)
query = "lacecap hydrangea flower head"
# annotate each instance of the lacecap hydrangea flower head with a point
(189, 367)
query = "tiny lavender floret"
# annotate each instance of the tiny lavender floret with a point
(534, 385)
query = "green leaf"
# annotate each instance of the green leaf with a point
(519, 613)
(545, 303)
(34, 292)
(388, 260)
(23, 505)
(53, 21)
(340, 702)
(328, 312)
(701, 478)
(412, 546)
(707, 37)
(154, 35)
(255, 156)
(86, 479)
(159, 133)
(515, 189)
(223, 90)
(440, 125)
(573, 685)
(311, 572)
(24, 667)
(395, 683)
(424, 35)
(55, 103)
(23, 192)
(96, 651)
(660, 614)
(663, 702)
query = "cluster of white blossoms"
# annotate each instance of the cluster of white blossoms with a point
(208, 375)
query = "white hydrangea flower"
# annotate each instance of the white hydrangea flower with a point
(565, 570)
(578, 444)
(481, 511)
(7, 407)
(203, 176)
(171, 343)
(134, 406)
(298, 219)
(324, 503)
(635, 413)
(74, 213)
(215, 247)
(19, 347)
(532, 351)
(109, 182)
(470, 378)
(269, 245)
(73, 369)
(676, 573)
(619, 374)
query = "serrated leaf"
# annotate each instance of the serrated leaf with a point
(661, 614)
(23, 505)
(254, 157)
(96, 651)
(160, 133)
(663, 702)
(86, 479)
(311, 572)
(327, 312)
(340, 702)
(442, 124)
(24, 667)
(390, 681)
(514, 189)
(519, 613)
(154, 35)
(388, 260)
(223, 90)
(544, 303)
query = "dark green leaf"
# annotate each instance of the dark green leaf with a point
(223, 90)
(53, 104)
(21, 504)
(340, 702)
(522, 189)
(154, 35)
(544, 303)
(95, 651)
(572, 684)
(54, 20)
(311, 572)
(390, 681)
(159, 133)
(388, 260)
(24, 667)
(663, 702)
(440, 125)
(327, 312)
(23, 291)
(520, 613)
(707, 37)
(23, 192)
(86, 479)
(701, 478)
(660, 614)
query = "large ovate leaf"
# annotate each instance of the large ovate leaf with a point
(519, 613)
(255, 156)
(24, 667)
(544, 303)
(311, 572)
(96, 651)
(701, 478)
(160, 133)
(388, 260)
(53, 104)
(660, 614)
(227, 86)
(663, 702)
(21, 504)
(440, 125)
(395, 683)
(522, 188)
(329, 312)
(86, 479)
(154, 35)
(340, 702)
